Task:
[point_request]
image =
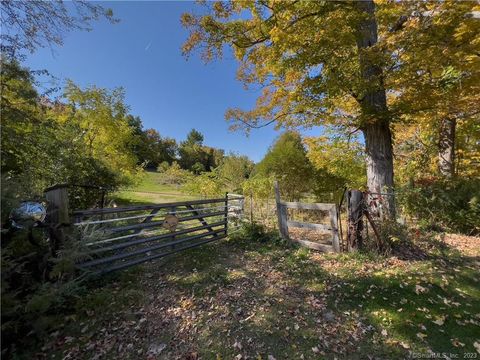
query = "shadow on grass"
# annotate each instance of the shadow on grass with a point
(285, 289)
(270, 298)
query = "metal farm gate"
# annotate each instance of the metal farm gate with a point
(120, 237)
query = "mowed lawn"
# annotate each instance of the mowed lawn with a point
(151, 190)
(244, 299)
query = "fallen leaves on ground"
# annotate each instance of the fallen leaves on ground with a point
(249, 305)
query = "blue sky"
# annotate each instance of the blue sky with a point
(170, 93)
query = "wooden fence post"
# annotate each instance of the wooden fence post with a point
(334, 225)
(58, 215)
(226, 213)
(251, 209)
(281, 213)
(355, 224)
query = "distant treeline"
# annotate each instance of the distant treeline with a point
(152, 149)
(86, 136)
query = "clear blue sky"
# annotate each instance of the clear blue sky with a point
(171, 94)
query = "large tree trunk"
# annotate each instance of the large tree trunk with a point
(378, 144)
(375, 114)
(446, 147)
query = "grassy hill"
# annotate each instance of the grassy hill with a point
(151, 189)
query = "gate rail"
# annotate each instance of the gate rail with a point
(284, 223)
(116, 238)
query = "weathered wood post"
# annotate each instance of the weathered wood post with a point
(251, 209)
(356, 205)
(281, 214)
(334, 225)
(58, 215)
(226, 213)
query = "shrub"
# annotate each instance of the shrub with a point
(198, 168)
(257, 233)
(259, 192)
(259, 187)
(393, 235)
(37, 289)
(175, 175)
(163, 167)
(452, 205)
(207, 184)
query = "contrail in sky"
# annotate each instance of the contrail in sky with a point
(148, 46)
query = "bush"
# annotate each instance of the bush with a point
(175, 175)
(259, 187)
(207, 184)
(452, 205)
(163, 167)
(393, 236)
(37, 288)
(257, 233)
(198, 168)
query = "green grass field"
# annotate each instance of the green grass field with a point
(151, 190)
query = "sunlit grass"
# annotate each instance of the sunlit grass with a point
(151, 190)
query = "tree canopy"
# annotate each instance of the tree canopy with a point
(84, 139)
(195, 156)
(29, 25)
(350, 65)
(287, 161)
(234, 170)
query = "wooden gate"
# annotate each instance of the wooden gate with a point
(284, 223)
(116, 238)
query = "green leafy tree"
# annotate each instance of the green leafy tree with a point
(287, 161)
(28, 25)
(215, 157)
(332, 63)
(101, 116)
(259, 187)
(198, 168)
(86, 141)
(153, 149)
(234, 170)
(194, 137)
(192, 151)
(339, 163)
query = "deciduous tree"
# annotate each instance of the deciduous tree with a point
(341, 162)
(192, 151)
(325, 62)
(30, 24)
(234, 170)
(287, 161)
